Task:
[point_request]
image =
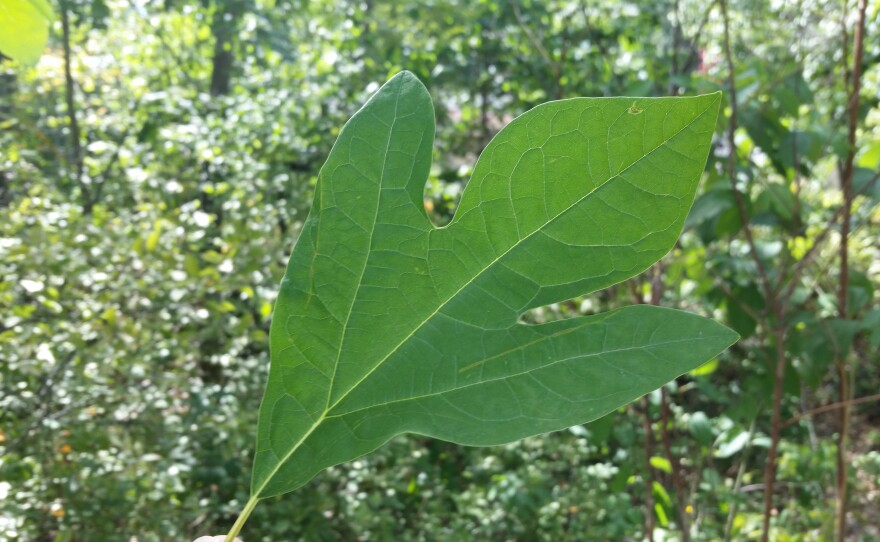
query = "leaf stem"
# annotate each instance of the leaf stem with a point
(242, 519)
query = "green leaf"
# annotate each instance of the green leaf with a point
(711, 204)
(24, 29)
(871, 326)
(663, 503)
(661, 463)
(730, 446)
(705, 369)
(862, 179)
(819, 343)
(701, 428)
(738, 316)
(661, 514)
(385, 324)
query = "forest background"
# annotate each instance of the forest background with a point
(157, 163)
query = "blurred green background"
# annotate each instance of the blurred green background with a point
(155, 168)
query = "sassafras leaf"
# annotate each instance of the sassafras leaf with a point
(386, 324)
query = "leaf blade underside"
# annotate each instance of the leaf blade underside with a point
(385, 324)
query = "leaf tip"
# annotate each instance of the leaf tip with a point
(731, 337)
(404, 76)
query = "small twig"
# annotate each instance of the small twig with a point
(692, 57)
(160, 34)
(39, 420)
(657, 283)
(731, 158)
(554, 66)
(770, 294)
(76, 158)
(731, 514)
(672, 89)
(675, 465)
(665, 434)
(649, 474)
(742, 304)
(101, 178)
(846, 182)
(832, 406)
(819, 239)
(634, 285)
(760, 486)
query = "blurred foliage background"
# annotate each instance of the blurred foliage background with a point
(158, 161)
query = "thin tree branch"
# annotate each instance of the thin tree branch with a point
(554, 66)
(649, 473)
(44, 401)
(740, 472)
(675, 465)
(731, 158)
(101, 178)
(801, 265)
(778, 329)
(742, 304)
(75, 159)
(160, 34)
(846, 182)
(833, 406)
(692, 57)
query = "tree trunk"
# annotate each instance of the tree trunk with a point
(75, 157)
(223, 27)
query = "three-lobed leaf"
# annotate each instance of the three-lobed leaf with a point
(385, 324)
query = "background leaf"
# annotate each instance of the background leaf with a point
(24, 29)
